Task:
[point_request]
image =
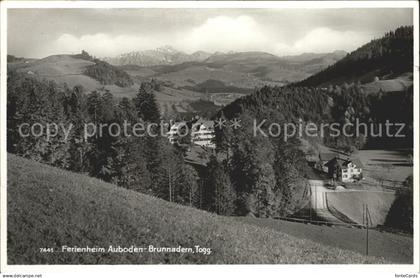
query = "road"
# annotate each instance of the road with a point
(319, 203)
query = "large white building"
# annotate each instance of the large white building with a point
(202, 133)
(351, 171)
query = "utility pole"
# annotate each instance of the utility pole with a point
(366, 218)
(310, 202)
(170, 184)
(190, 195)
(201, 194)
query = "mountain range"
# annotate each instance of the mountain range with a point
(166, 55)
(239, 69)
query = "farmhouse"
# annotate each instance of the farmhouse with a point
(345, 169)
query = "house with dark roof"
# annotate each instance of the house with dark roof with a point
(345, 169)
(324, 158)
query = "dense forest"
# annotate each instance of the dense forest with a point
(145, 164)
(345, 104)
(390, 55)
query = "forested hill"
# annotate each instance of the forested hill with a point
(105, 73)
(282, 104)
(389, 59)
(73, 70)
(384, 58)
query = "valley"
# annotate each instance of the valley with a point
(219, 78)
(219, 185)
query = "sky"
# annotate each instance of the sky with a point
(37, 33)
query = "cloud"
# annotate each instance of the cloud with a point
(219, 33)
(224, 33)
(102, 44)
(323, 39)
(108, 32)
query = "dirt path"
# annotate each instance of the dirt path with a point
(319, 201)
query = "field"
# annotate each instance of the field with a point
(49, 207)
(399, 83)
(351, 204)
(201, 73)
(387, 167)
(395, 248)
(222, 99)
(346, 205)
(390, 85)
(381, 167)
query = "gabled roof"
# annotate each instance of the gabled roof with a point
(206, 123)
(343, 162)
(357, 162)
(201, 123)
(333, 163)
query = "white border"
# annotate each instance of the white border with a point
(211, 4)
(207, 270)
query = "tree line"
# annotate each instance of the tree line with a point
(390, 55)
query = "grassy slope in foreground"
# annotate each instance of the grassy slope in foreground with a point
(49, 207)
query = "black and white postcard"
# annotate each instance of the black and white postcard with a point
(210, 133)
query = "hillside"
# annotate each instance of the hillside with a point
(75, 70)
(350, 89)
(60, 68)
(187, 78)
(96, 75)
(350, 205)
(384, 58)
(48, 207)
(395, 247)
